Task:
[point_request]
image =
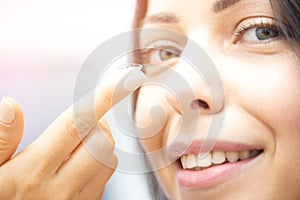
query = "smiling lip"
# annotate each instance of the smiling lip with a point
(204, 146)
(215, 174)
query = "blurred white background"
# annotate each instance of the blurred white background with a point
(42, 47)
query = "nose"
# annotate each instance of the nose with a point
(198, 95)
(205, 93)
(208, 100)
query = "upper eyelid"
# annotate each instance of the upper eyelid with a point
(163, 42)
(258, 20)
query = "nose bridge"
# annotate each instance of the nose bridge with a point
(200, 72)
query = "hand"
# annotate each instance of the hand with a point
(11, 128)
(57, 165)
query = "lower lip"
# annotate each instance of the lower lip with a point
(212, 176)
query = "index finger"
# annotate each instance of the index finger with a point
(67, 131)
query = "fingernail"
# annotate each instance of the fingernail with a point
(7, 112)
(134, 79)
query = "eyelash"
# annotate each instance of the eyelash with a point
(251, 23)
(163, 44)
(239, 35)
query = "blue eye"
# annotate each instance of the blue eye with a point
(257, 30)
(264, 33)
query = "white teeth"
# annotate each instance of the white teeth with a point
(204, 160)
(191, 161)
(183, 161)
(232, 156)
(243, 155)
(218, 157)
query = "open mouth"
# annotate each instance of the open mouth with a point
(205, 170)
(203, 161)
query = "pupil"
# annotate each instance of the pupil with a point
(266, 33)
(165, 55)
(168, 53)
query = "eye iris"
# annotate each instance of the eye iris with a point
(266, 33)
(166, 55)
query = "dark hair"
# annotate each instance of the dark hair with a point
(286, 12)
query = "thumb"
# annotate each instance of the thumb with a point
(11, 128)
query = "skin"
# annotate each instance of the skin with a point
(262, 89)
(261, 107)
(58, 165)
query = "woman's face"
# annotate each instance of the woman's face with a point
(257, 154)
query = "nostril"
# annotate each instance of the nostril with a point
(196, 104)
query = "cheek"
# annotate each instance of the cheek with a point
(268, 89)
(276, 100)
(280, 110)
(285, 121)
(271, 93)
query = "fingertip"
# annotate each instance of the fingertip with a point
(7, 112)
(11, 114)
(118, 86)
(11, 127)
(15, 104)
(134, 80)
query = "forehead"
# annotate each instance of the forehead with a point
(175, 6)
(199, 6)
(186, 15)
(215, 5)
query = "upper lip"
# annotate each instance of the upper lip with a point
(178, 149)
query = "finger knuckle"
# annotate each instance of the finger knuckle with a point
(78, 127)
(60, 189)
(72, 129)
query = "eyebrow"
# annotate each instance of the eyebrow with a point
(221, 5)
(162, 18)
(218, 6)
